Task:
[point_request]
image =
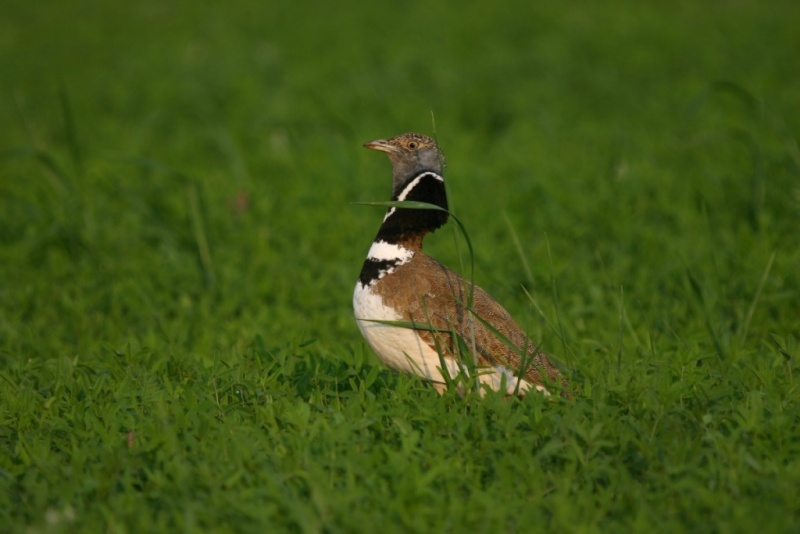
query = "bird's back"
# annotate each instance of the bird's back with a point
(426, 292)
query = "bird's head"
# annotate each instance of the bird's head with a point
(410, 154)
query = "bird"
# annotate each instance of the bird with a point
(422, 318)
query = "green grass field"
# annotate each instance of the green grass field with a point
(179, 242)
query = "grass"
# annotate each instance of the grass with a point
(179, 243)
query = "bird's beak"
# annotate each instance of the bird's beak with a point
(382, 145)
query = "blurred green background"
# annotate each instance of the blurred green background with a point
(177, 184)
(593, 125)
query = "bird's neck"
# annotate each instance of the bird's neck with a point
(403, 229)
(408, 226)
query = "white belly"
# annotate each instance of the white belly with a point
(398, 347)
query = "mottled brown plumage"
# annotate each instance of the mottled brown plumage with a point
(428, 293)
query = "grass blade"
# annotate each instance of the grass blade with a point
(752, 309)
(557, 307)
(200, 236)
(70, 130)
(518, 245)
(621, 319)
(698, 293)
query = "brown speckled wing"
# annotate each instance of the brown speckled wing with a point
(427, 292)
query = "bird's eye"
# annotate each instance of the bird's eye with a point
(412, 145)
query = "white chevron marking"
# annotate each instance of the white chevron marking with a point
(411, 185)
(382, 251)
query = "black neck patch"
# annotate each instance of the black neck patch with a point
(374, 269)
(402, 222)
